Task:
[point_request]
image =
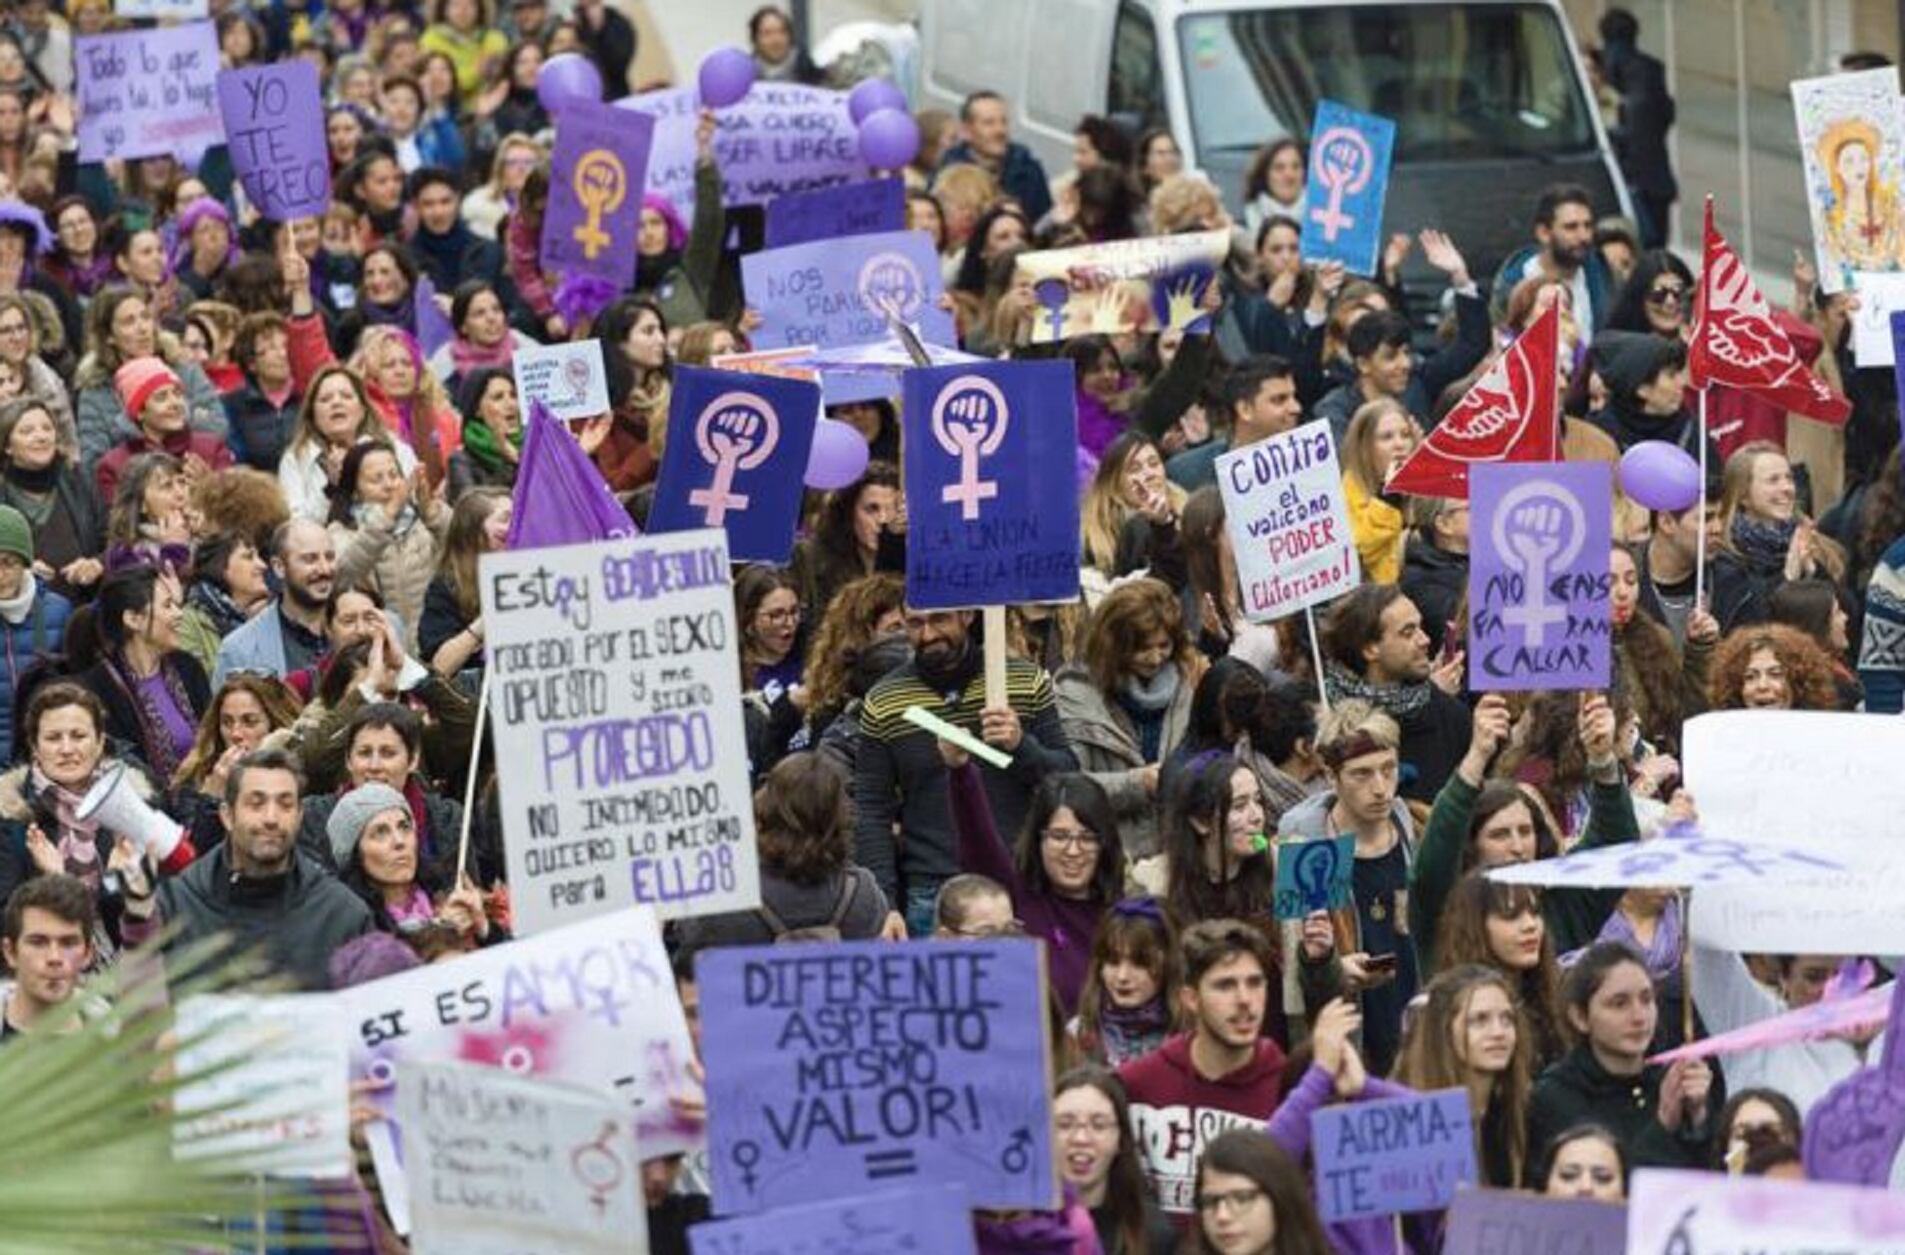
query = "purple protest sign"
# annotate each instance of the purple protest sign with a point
(274, 127)
(433, 329)
(1392, 1155)
(929, 1221)
(737, 460)
(815, 1092)
(1539, 538)
(1494, 1222)
(989, 451)
(832, 213)
(595, 190)
(1853, 1134)
(829, 294)
(560, 498)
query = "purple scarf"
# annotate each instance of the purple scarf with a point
(1097, 425)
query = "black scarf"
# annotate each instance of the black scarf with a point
(44, 480)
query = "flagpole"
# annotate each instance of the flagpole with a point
(1700, 544)
(1316, 654)
(469, 785)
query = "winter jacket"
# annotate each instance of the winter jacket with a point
(1574, 915)
(1576, 1089)
(898, 774)
(212, 450)
(21, 805)
(103, 422)
(685, 291)
(311, 352)
(260, 427)
(122, 708)
(76, 519)
(296, 920)
(797, 906)
(1104, 738)
(37, 635)
(1435, 580)
(1378, 529)
(1176, 1112)
(1601, 286)
(401, 566)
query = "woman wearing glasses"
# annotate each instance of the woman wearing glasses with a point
(1658, 297)
(1252, 1199)
(1066, 870)
(1091, 1118)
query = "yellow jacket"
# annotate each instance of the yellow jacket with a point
(1378, 528)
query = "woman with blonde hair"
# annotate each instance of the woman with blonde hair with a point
(1760, 520)
(337, 415)
(964, 192)
(250, 710)
(1128, 704)
(1381, 436)
(485, 207)
(1471, 1035)
(1127, 497)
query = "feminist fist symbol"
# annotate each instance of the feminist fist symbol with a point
(969, 422)
(1344, 164)
(736, 432)
(1539, 525)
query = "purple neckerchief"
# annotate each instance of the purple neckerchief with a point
(1662, 957)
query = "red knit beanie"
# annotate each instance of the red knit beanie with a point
(138, 379)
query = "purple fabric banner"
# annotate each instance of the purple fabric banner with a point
(813, 1094)
(831, 213)
(560, 498)
(596, 176)
(1393, 1155)
(274, 127)
(737, 459)
(1539, 537)
(433, 329)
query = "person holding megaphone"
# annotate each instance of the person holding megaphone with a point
(75, 810)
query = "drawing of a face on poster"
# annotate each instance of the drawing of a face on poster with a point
(1852, 140)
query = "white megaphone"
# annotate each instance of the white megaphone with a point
(118, 808)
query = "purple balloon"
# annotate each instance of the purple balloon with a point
(726, 75)
(566, 77)
(889, 138)
(1660, 476)
(839, 455)
(870, 95)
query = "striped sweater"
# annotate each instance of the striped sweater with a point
(898, 774)
(1882, 640)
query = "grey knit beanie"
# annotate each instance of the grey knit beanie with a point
(353, 814)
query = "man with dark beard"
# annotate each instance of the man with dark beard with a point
(899, 775)
(1564, 252)
(287, 635)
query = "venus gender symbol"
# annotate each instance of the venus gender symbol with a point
(601, 184)
(736, 432)
(969, 422)
(1539, 526)
(1343, 165)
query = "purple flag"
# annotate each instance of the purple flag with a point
(1539, 537)
(274, 126)
(595, 190)
(433, 329)
(560, 498)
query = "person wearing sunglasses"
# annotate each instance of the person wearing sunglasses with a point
(1657, 299)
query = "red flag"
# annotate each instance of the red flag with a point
(1510, 415)
(1736, 342)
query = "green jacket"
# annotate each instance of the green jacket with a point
(1574, 915)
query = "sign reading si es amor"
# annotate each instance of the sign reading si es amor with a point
(616, 700)
(593, 1004)
(500, 1165)
(274, 127)
(929, 1221)
(836, 1069)
(1283, 504)
(835, 293)
(1538, 609)
(143, 93)
(780, 138)
(1392, 1155)
(983, 446)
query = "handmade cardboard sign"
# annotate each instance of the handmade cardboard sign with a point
(1392, 1155)
(1539, 539)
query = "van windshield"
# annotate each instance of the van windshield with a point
(1461, 81)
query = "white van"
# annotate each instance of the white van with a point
(1490, 99)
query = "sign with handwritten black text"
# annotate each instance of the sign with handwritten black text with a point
(148, 92)
(616, 700)
(838, 1069)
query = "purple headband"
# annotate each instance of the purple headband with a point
(1139, 908)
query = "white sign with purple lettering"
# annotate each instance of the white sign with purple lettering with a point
(615, 693)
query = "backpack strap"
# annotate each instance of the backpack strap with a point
(849, 885)
(775, 924)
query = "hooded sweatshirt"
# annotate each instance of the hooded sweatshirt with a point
(1177, 1112)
